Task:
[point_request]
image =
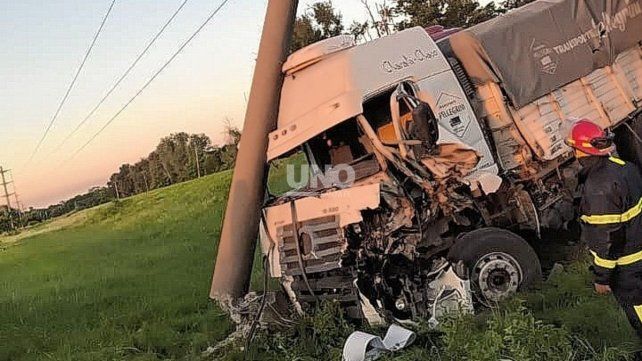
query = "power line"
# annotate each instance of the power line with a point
(73, 82)
(124, 75)
(180, 49)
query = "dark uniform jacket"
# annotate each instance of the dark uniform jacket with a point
(610, 209)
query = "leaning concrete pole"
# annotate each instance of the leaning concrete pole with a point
(240, 227)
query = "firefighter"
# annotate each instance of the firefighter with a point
(610, 209)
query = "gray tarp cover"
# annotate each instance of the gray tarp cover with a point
(544, 45)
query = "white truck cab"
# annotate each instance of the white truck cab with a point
(424, 176)
(329, 82)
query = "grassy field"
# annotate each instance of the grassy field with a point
(126, 280)
(130, 281)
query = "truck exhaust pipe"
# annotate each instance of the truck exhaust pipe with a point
(235, 256)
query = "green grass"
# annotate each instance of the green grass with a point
(128, 280)
(571, 324)
(510, 332)
(277, 174)
(568, 300)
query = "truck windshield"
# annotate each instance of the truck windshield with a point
(339, 145)
(287, 173)
(325, 161)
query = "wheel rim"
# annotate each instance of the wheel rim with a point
(498, 276)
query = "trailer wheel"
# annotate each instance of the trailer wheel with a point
(500, 262)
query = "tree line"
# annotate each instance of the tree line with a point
(322, 20)
(177, 158)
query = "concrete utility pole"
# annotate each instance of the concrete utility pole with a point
(7, 195)
(198, 163)
(146, 183)
(116, 189)
(240, 227)
(21, 211)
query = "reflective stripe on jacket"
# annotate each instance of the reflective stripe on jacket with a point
(611, 213)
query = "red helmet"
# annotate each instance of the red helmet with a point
(589, 138)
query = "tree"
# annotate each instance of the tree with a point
(448, 13)
(231, 133)
(227, 153)
(513, 4)
(174, 160)
(320, 21)
(177, 158)
(9, 219)
(213, 162)
(361, 31)
(198, 143)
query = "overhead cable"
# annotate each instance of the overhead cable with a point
(73, 82)
(123, 76)
(158, 72)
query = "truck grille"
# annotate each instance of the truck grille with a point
(321, 242)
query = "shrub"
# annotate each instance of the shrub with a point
(510, 332)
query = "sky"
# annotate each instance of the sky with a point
(43, 43)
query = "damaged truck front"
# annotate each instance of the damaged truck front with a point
(413, 176)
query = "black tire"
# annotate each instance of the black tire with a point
(493, 256)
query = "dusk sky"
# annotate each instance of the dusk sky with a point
(43, 43)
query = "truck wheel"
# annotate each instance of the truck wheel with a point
(500, 262)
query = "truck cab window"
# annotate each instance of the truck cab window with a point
(377, 111)
(342, 144)
(402, 120)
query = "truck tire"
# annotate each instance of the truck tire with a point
(500, 263)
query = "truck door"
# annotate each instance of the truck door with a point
(457, 121)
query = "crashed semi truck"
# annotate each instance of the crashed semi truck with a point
(437, 159)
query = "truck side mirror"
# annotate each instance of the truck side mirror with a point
(423, 129)
(425, 126)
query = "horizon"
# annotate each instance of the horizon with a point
(103, 182)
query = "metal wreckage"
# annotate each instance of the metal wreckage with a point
(445, 152)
